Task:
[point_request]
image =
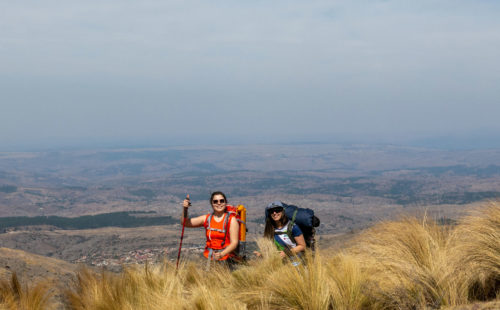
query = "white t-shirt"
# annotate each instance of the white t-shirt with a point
(283, 237)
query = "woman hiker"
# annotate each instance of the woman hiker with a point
(289, 240)
(222, 229)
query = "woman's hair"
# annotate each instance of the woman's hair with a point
(271, 225)
(217, 193)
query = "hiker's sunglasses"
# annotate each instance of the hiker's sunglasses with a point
(275, 210)
(215, 201)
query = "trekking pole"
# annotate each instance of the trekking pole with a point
(182, 233)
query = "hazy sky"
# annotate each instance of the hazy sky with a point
(94, 70)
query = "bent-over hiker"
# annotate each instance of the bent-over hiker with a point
(289, 239)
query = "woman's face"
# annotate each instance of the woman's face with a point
(219, 203)
(276, 214)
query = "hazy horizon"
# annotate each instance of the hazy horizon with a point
(124, 73)
(488, 141)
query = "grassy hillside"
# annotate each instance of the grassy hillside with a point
(406, 264)
(30, 281)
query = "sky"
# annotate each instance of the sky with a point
(185, 72)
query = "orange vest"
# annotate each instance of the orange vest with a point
(217, 234)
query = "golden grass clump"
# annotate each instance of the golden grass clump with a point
(214, 296)
(347, 280)
(211, 289)
(476, 244)
(299, 287)
(14, 295)
(408, 264)
(320, 283)
(135, 288)
(154, 287)
(250, 279)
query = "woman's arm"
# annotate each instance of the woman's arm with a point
(234, 230)
(195, 221)
(301, 244)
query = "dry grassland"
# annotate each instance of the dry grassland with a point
(406, 264)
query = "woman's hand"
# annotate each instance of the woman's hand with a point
(218, 255)
(187, 202)
(282, 254)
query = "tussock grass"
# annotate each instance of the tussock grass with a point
(155, 287)
(250, 281)
(14, 295)
(300, 287)
(410, 263)
(212, 289)
(347, 281)
(476, 243)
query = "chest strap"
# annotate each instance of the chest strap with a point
(223, 230)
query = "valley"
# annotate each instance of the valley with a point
(349, 188)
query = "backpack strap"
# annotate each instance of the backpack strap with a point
(225, 229)
(290, 225)
(209, 229)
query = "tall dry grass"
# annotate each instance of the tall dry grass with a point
(212, 289)
(154, 287)
(14, 295)
(299, 287)
(476, 245)
(406, 264)
(347, 280)
(157, 287)
(250, 281)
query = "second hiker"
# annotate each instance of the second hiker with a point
(289, 240)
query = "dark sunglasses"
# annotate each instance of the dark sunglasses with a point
(215, 201)
(275, 210)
